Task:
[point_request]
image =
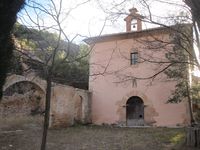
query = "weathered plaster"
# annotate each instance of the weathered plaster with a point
(113, 84)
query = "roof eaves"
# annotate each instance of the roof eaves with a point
(126, 35)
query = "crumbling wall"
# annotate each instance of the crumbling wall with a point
(85, 105)
(22, 98)
(69, 106)
(62, 106)
(25, 95)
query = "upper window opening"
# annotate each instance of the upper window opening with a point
(134, 58)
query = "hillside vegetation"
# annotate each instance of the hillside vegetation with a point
(34, 47)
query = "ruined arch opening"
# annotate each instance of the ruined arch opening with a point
(135, 111)
(22, 98)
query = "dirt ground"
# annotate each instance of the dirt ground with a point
(21, 133)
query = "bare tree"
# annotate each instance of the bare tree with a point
(55, 15)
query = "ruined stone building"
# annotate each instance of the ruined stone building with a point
(25, 96)
(25, 90)
(127, 83)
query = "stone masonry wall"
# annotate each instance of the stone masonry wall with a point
(26, 95)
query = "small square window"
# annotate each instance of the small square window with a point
(134, 58)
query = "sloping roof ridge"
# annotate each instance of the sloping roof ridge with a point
(95, 39)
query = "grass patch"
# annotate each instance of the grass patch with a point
(178, 138)
(89, 137)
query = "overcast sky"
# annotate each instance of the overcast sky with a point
(88, 19)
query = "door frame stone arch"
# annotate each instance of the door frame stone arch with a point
(149, 110)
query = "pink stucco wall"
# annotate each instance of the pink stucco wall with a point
(111, 84)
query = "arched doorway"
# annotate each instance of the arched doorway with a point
(135, 111)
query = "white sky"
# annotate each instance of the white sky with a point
(88, 19)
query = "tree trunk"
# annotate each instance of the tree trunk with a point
(190, 111)
(47, 112)
(8, 11)
(193, 137)
(195, 7)
(190, 106)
